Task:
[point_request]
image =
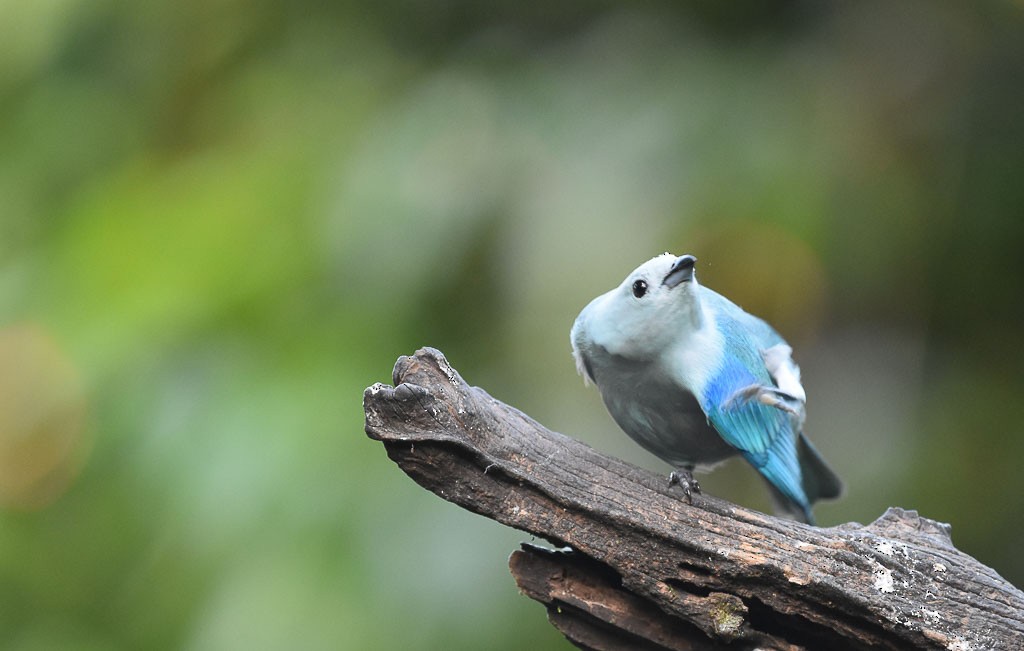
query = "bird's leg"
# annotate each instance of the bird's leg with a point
(772, 397)
(684, 477)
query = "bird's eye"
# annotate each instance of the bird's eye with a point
(639, 288)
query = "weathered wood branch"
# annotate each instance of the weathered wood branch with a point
(646, 570)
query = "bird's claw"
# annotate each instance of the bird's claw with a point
(684, 478)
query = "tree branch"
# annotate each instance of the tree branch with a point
(646, 570)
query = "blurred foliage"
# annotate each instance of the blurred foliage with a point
(220, 221)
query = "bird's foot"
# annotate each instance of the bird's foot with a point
(684, 478)
(772, 397)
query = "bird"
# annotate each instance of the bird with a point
(695, 380)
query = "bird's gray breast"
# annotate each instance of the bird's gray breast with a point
(656, 412)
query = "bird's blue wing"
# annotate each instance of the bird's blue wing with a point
(764, 435)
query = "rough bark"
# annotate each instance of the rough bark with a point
(636, 567)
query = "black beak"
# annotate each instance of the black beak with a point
(681, 271)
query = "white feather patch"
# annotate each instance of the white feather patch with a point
(778, 360)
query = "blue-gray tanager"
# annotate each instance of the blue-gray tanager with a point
(694, 379)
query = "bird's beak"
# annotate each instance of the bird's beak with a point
(681, 271)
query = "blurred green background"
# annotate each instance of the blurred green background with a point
(221, 220)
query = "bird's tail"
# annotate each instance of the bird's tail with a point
(787, 507)
(819, 481)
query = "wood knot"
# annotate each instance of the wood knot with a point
(910, 526)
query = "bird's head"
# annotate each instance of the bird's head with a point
(655, 305)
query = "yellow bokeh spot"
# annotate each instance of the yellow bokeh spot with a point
(42, 418)
(767, 271)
